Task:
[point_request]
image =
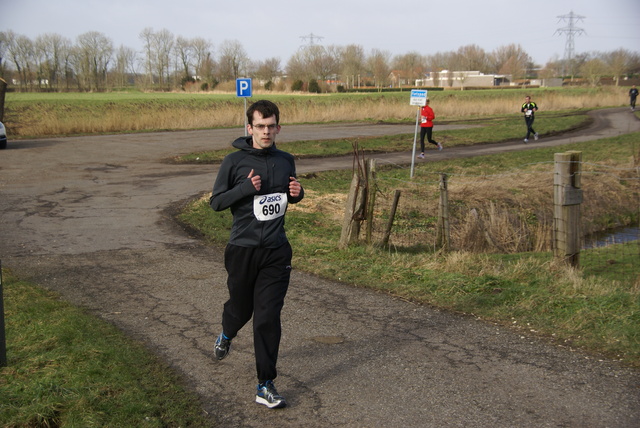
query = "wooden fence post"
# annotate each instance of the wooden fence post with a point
(567, 198)
(443, 236)
(349, 211)
(371, 197)
(392, 214)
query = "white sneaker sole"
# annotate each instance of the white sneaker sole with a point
(277, 405)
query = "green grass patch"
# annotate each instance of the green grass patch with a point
(488, 130)
(67, 368)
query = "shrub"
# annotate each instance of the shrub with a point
(314, 87)
(297, 85)
(185, 80)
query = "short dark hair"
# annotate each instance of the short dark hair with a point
(265, 108)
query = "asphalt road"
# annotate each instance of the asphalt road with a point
(90, 217)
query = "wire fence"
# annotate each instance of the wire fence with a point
(513, 213)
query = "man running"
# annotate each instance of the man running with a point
(529, 108)
(633, 94)
(256, 183)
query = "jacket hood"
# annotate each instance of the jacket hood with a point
(246, 143)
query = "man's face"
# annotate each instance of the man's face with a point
(527, 99)
(263, 130)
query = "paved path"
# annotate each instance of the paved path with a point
(89, 218)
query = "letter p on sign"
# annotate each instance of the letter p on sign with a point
(243, 87)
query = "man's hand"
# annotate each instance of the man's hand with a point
(294, 187)
(255, 180)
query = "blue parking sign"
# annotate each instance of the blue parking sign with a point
(243, 87)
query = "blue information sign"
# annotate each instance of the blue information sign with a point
(418, 97)
(243, 87)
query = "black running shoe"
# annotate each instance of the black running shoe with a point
(222, 347)
(268, 396)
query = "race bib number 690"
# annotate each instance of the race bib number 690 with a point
(269, 207)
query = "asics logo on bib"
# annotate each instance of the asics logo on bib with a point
(267, 199)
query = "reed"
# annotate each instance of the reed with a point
(42, 115)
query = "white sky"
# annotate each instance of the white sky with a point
(275, 28)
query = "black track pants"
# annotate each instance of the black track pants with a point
(428, 132)
(529, 121)
(258, 282)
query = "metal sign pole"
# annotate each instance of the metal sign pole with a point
(415, 139)
(3, 343)
(418, 98)
(244, 87)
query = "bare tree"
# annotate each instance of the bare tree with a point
(204, 64)
(51, 50)
(52, 59)
(267, 70)
(593, 70)
(163, 45)
(314, 62)
(323, 61)
(576, 63)
(378, 65)
(21, 53)
(512, 60)
(93, 52)
(471, 58)
(233, 60)
(439, 62)
(147, 37)
(184, 51)
(552, 68)
(297, 67)
(352, 63)
(634, 64)
(619, 62)
(410, 66)
(158, 47)
(3, 51)
(124, 67)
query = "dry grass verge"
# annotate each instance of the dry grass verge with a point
(40, 115)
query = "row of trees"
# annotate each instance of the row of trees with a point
(169, 62)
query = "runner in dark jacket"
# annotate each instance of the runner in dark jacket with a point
(257, 183)
(529, 108)
(633, 94)
(233, 190)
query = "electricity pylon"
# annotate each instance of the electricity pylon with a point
(570, 30)
(312, 38)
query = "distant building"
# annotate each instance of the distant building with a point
(460, 79)
(546, 83)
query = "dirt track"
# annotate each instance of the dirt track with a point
(89, 218)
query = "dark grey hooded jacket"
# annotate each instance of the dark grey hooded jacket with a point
(233, 189)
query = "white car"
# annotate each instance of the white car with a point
(3, 137)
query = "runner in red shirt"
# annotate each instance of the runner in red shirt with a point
(426, 128)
